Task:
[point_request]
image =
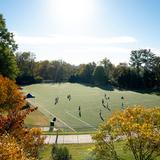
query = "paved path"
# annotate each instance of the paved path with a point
(68, 139)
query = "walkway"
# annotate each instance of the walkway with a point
(68, 139)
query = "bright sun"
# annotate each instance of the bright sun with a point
(73, 11)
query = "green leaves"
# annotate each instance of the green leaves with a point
(8, 65)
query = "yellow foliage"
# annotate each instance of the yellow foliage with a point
(139, 126)
(10, 150)
(137, 120)
(16, 142)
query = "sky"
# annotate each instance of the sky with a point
(82, 31)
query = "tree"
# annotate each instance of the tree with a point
(57, 71)
(42, 69)
(20, 142)
(26, 64)
(85, 72)
(137, 127)
(156, 70)
(10, 97)
(136, 59)
(142, 59)
(99, 75)
(126, 77)
(108, 67)
(148, 59)
(8, 66)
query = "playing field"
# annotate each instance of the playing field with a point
(88, 98)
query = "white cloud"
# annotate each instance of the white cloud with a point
(77, 54)
(73, 40)
(77, 49)
(89, 54)
(155, 50)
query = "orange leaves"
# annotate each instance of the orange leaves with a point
(20, 143)
(10, 149)
(10, 96)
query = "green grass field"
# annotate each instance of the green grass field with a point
(90, 100)
(78, 151)
(81, 151)
(36, 118)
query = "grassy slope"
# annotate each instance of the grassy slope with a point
(89, 98)
(81, 151)
(78, 151)
(36, 118)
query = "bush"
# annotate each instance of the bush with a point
(60, 153)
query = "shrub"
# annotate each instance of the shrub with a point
(60, 153)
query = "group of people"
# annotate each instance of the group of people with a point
(107, 105)
(56, 100)
(104, 104)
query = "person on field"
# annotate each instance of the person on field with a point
(79, 110)
(102, 101)
(122, 97)
(108, 107)
(105, 96)
(56, 100)
(69, 97)
(100, 114)
(80, 114)
(122, 104)
(104, 105)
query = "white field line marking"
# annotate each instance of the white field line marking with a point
(57, 118)
(80, 119)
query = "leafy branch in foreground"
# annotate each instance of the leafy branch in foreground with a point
(16, 141)
(137, 126)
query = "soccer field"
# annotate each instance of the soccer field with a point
(88, 98)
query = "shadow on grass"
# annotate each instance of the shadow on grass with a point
(110, 87)
(149, 91)
(107, 87)
(142, 91)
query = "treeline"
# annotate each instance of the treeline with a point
(36, 72)
(143, 70)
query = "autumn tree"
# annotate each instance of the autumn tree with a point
(18, 141)
(137, 127)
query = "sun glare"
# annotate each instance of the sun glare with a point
(73, 11)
